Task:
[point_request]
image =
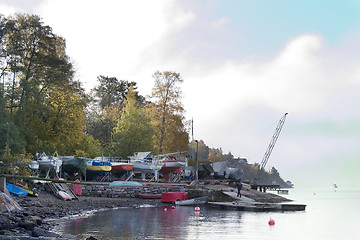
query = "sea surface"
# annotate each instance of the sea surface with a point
(330, 214)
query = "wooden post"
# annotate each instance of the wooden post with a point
(3, 184)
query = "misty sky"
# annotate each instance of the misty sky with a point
(244, 64)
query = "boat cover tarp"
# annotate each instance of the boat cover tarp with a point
(221, 169)
(72, 164)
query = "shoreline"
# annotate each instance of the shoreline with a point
(39, 215)
(42, 216)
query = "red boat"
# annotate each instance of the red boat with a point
(121, 166)
(173, 196)
(171, 163)
(150, 196)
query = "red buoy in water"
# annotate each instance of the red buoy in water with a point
(197, 209)
(172, 207)
(271, 222)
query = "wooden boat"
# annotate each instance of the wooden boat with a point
(173, 196)
(193, 201)
(13, 189)
(150, 196)
(125, 184)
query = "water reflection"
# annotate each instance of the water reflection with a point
(319, 221)
(153, 223)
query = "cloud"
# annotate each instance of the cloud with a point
(9, 7)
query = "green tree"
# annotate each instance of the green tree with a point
(133, 132)
(44, 101)
(167, 113)
(104, 113)
(9, 133)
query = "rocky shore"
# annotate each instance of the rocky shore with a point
(37, 217)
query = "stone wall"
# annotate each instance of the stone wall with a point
(115, 192)
(104, 190)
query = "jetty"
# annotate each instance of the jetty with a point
(225, 197)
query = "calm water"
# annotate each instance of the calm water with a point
(329, 214)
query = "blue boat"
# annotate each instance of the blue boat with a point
(125, 184)
(13, 189)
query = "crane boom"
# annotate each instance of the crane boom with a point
(272, 142)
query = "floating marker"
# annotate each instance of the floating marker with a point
(197, 209)
(271, 222)
(172, 207)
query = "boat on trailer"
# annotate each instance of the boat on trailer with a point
(49, 162)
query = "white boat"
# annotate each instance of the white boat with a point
(144, 163)
(194, 201)
(34, 165)
(49, 162)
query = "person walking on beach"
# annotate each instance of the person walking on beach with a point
(239, 186)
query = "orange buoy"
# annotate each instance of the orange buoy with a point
(271, 222)
(197, 209)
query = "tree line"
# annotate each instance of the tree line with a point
(43, 106)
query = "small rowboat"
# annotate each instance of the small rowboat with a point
(125, 184)
(63, 195)
(150, 196)
(194, 201)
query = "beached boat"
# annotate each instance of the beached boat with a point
(125, 184)
(99, 166)
(63, 196)
(171, 163)
(13, 189)
(49, 162)
(62, 191)
(34, 165)
(121, 166)
(193, 201)
(72, 165)
(33, 192)
(143, 162)
(150, 195)
(173, 196)
(76, 188)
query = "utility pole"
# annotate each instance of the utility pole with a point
(197, 164)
